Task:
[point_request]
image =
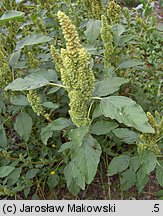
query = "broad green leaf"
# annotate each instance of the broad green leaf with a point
(53, 90)
(32, 39)
(6, 170)
(56, 125)
(77, 176)
(126, 111)
(134, 163)
(20, 65)
(83, 166)
(48, 74)
(31, 173)
(108, 86)
(130, 63)
(50, 105)
(92, 30)
(118, 164)
(159, 173)
(19, 100)
(142, 179)
(45, 135)
(65, 146)
(2, 106)
(148, 161)
(77, 135)
(3, 138)
(126, 135)
(87, 158)
(103, 127)
(32, 81)
(124, 39)
(23, 125)
(97, 112)
(72, 184)
(53, 181)
(10, 15)
(118, 30)
(127, 180)
(13, 177)
(14, 57)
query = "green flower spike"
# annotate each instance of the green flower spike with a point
(150, 141)
(113, 12)
(76, 74)
(107, 38)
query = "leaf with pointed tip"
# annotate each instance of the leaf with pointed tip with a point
(127, 180)
(126, 135)
(126, 111)
(30, 82)
(23, 125)
(32, 39)
(148, 161)
(10, 15)
(130, 63)
(118, 164)
(92, 31)
(103, 127)
(56, 125)
(108, 86)
(6, 170)
(87, 158)
(83, 166)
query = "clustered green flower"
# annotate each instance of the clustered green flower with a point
(113, 12)
(150, 141)
(56, 56)
(36, 105)
(76, 74)
(94, 8)
(32, 61)
(97, 8)
(141, 23)
(127, 16)
(107, 38)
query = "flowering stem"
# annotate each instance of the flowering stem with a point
(90, 109)
(96, 98)
(57, 85)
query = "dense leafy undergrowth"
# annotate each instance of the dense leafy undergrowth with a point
(80, 96)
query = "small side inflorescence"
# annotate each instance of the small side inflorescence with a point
(94, 8)
(76, 74)
(113, 12)
(107, 38)
(35, 103)
(150, 141)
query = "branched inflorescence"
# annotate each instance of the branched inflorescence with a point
(76, 74)
(94, 8)
(113, 12)
(35, 102)
(107, 38)
(150, 141)
(97, 9)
